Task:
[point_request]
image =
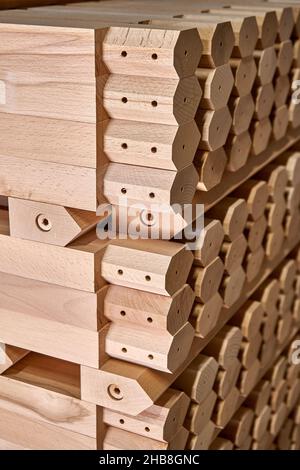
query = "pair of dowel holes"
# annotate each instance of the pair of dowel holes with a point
(154, 103)
(149, 319)
(150, 356)
(125, 147)
(122, 421)
(151, 195)
(154, 56)
(147, 277)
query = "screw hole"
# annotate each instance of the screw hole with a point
(114, 392)
(124, 350)
(182, 189)
(121, 421)
(178, 311)
(154, 103)
(123, 313)
(185, 53)
(150, 356)
(123, 190)
(124, 146)
(124, 99)
(154, 56)
(221, 43)
(120, 272)
(43, 223)
(183, 147)
(147, 429)
(148, 278)
(149, 320)
(153, 149)
(124, 54)
(152, 195)
(149, 217)
(184, 100)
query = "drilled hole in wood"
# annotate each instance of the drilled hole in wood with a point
(147, 429)
(123, 190)
(185, 53)
(154, 103)
(183, 147)
(120, 272)
(148, 278)
(123, 313)
(153, 149)
(43, 223)
(124, 54)
(152, 195)
(150, 356)
(182, 189)
(149, 217)
(184, 100)
(124, 350)
(154, 56)
(149, 320)
(121, 421)
(221, 43)
(124, 146)
(114, 392)
(124, 99)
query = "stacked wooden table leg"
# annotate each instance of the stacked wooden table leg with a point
(131, 343)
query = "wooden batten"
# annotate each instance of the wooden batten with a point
(161, 421)
(47, 223)
(152, 311)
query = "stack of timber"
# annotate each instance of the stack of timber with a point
(141, 343)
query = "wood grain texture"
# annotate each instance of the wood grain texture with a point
(47, 390)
